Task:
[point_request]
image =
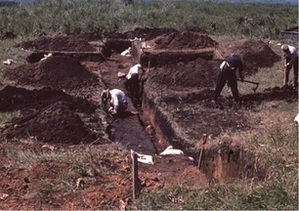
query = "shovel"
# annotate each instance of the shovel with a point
(251, 82)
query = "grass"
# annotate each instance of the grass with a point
(51, 16)
(7, 117)
(62, 166)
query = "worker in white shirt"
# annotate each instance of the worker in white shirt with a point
(290, 54)
(115, 99)
(132, 83)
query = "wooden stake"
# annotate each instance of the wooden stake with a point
(204, 141)
(134, 174)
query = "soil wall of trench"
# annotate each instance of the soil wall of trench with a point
(223, 161)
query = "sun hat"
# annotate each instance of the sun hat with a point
(284, 47)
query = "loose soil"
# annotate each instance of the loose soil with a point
(59, 104)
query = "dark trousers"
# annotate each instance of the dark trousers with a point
(133, 87)
(229, 76)
(295, 71)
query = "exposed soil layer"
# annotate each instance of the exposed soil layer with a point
(230, 160)
(188, 173)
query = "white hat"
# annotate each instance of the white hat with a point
(284, 47)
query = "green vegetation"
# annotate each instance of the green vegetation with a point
(51, 16)
(220, 197)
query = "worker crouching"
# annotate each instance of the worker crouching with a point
(115, 100)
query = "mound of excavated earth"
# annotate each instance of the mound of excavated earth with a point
(47, 115)
(59, 43)
(184, 40)
(55, 123)
(62, 72)
(255, 54)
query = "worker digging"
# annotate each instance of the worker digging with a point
(290, 55)
(227, 74)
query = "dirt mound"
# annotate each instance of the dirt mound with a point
(13, 98)
(256, 54)
(58, 71)
(48, 115)
(59, 43)
(149, 33)
(55, 123)
(184, 39)
(198, 73)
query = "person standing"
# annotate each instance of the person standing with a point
(290, 55)
(227, 74)
(115, 99)
(132, 83)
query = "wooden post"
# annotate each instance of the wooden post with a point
(204, 141)
(134, 174)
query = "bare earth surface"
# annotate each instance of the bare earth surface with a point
(59, 102)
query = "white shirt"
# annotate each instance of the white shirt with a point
(293, 53)
(126, 52)
(118, 98)
(133, 69)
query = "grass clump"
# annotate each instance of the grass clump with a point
(238, 196)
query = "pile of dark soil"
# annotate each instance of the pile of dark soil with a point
(149, 33)
(184, 40)
(21, 99)
(46, 114)
(55, 123)
(198, 73)
(59, 72)
(59, 43)
(256, 54)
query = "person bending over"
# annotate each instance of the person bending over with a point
(115, 99)
(227, 74)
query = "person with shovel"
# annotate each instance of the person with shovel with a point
(227, 74)
(291, 60)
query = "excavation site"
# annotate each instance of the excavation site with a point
(57, 94)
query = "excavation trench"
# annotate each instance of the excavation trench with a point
(223, 161)
(57, 101)
(175, 109)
